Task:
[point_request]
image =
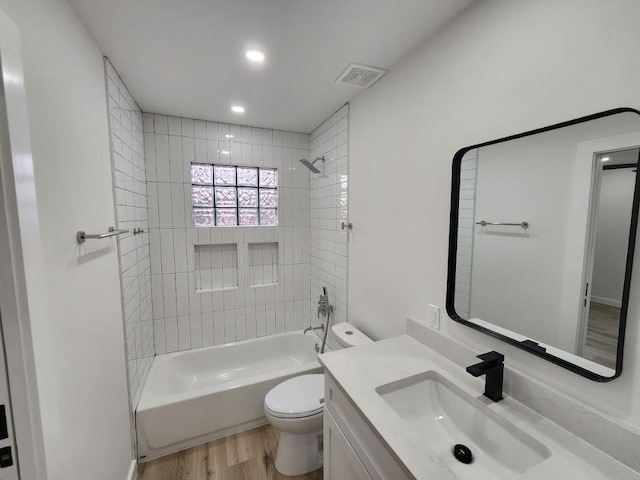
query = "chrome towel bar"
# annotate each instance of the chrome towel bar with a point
(484, 223)
(82, 237)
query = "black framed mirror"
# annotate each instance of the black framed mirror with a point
(542, 236)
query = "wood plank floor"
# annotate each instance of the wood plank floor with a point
(248, 455)
(602, 334)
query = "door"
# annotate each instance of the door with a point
(8, 457)
(607, 256)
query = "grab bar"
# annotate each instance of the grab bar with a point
(484, 223)
(82, 236)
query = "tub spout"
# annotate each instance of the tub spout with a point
(309, 329)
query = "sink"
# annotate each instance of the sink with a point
(442, 415)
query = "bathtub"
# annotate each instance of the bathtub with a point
(200, 395)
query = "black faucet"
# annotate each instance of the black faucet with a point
(492, 366)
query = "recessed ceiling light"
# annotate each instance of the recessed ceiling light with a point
(237, 109)
(228, 135)
(254, 55)
(605, 159)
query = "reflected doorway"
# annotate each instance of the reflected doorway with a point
(612, 222)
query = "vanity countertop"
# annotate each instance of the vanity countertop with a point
(360, 370)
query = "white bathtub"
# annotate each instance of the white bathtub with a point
(199, 395)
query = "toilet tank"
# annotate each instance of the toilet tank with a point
(346, 335)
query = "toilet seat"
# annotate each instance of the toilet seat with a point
(297, 397)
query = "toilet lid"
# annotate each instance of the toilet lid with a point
(301, 396)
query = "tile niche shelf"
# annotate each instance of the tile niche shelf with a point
(216, 267)
(263, 263)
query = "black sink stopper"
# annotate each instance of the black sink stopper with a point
(462, 453)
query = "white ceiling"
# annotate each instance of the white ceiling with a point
(185, 57)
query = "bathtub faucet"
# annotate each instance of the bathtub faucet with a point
(309, 329)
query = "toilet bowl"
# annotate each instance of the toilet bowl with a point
(294, 407)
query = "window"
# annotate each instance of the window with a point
(227, 195)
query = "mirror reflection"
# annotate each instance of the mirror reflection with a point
(544, 224)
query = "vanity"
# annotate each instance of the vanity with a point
(395, 409)
(542, 234)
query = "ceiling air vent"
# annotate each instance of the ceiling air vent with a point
(360, 75)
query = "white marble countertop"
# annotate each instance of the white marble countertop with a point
(358, 371)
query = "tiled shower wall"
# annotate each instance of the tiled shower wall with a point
(183, 317)
(127, 153)
(329, 207)
(466, 215)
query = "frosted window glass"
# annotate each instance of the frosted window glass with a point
(247, 197)
(226, 217)
(268, 177)
(248, 216)
(202, 174)
(268, 216)
(248, 177)
(268, 198)
(202, 196)
(225, 197)
(203, 217)
(224, 175)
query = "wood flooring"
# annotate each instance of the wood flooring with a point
(602, 334)
(248, 455)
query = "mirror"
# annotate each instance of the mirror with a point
(541, 241)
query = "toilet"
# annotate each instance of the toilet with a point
(295, 406)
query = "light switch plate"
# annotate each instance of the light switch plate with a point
(433, 319)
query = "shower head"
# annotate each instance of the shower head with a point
(310, 166)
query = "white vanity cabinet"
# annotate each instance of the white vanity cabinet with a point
(352, 449)
(340, 461)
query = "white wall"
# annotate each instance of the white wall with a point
(329, 193)
(184, 318)
(499, 68)
(612, 235)
(66, 97)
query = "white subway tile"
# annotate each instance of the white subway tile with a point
(171, 334)
(160, 124)
(261, 320)
(240, 324)
(250, 322)
(159, 340)
(195, 330)
(187, 127)
(163, 172)
(182, 294)
(169, 295)
(290, 322)
(175, 126)
(184, 334)
(229, 326)
(200, 129)
(176, 166)
(167, 251)
(218, 328)
(207, 330)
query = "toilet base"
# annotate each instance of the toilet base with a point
(299, 453)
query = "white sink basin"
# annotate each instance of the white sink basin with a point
(443, 415)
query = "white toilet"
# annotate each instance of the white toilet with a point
(294, 407)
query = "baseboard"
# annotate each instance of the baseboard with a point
(606, 301)
(133, 471)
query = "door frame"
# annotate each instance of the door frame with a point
(27, 331)
(590, 150)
